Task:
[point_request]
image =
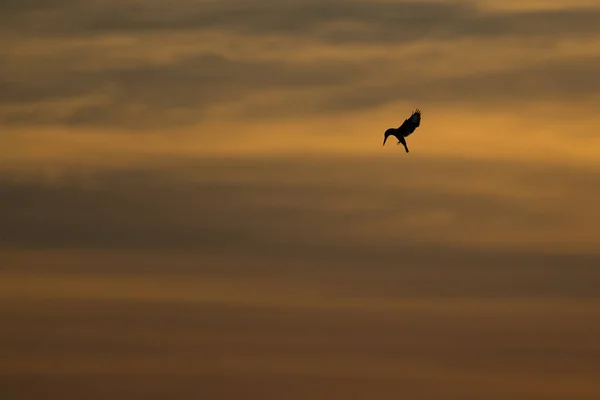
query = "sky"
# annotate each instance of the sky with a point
(195, 201)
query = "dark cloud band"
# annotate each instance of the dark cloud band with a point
(148, 95)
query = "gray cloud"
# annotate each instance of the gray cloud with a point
(287, 217)
(384, 21)
(574, 79)
(19, 8)
(193, 84)
(400, 21)
(154, 96)
(238, 282)
(255, 351)
(285, 213)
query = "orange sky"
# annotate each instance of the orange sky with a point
(195, 201)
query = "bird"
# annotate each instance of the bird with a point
(408, 126)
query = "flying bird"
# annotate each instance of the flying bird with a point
(408, 126)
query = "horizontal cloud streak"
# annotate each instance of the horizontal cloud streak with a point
(183, 92)
(373, 21)
(573, 81)
(136, 263)
(163, 349)
(342, 209)
(136, 91)
(191, 84)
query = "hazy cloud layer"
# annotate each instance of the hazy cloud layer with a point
(235, 206)
(191, 84)
(133, 91)
(383, 277)
(375, 21)
(153, 350)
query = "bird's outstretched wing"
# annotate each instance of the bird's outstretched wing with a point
(411, 123)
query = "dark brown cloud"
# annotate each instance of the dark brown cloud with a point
(193, 84)
(147, 95)
(378, 21)
(298, 277)
(220, 277)
(573, 80)
(155, 350)
(287, 211)
(190, 84)
(402, 21)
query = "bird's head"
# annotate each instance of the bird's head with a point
(386, 134)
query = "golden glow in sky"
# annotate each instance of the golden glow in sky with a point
(195, 201)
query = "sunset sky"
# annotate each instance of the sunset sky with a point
(195, 201)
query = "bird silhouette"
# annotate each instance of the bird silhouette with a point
(408, 126)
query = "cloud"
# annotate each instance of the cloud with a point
(143, 94)
(374, 21)
(291, 214)
(135, 91)
(183, 92)
(310, 276)
(159, 349)
(571, 81)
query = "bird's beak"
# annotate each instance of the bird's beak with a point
(384, 139)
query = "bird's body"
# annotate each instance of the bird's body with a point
(408, 127)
